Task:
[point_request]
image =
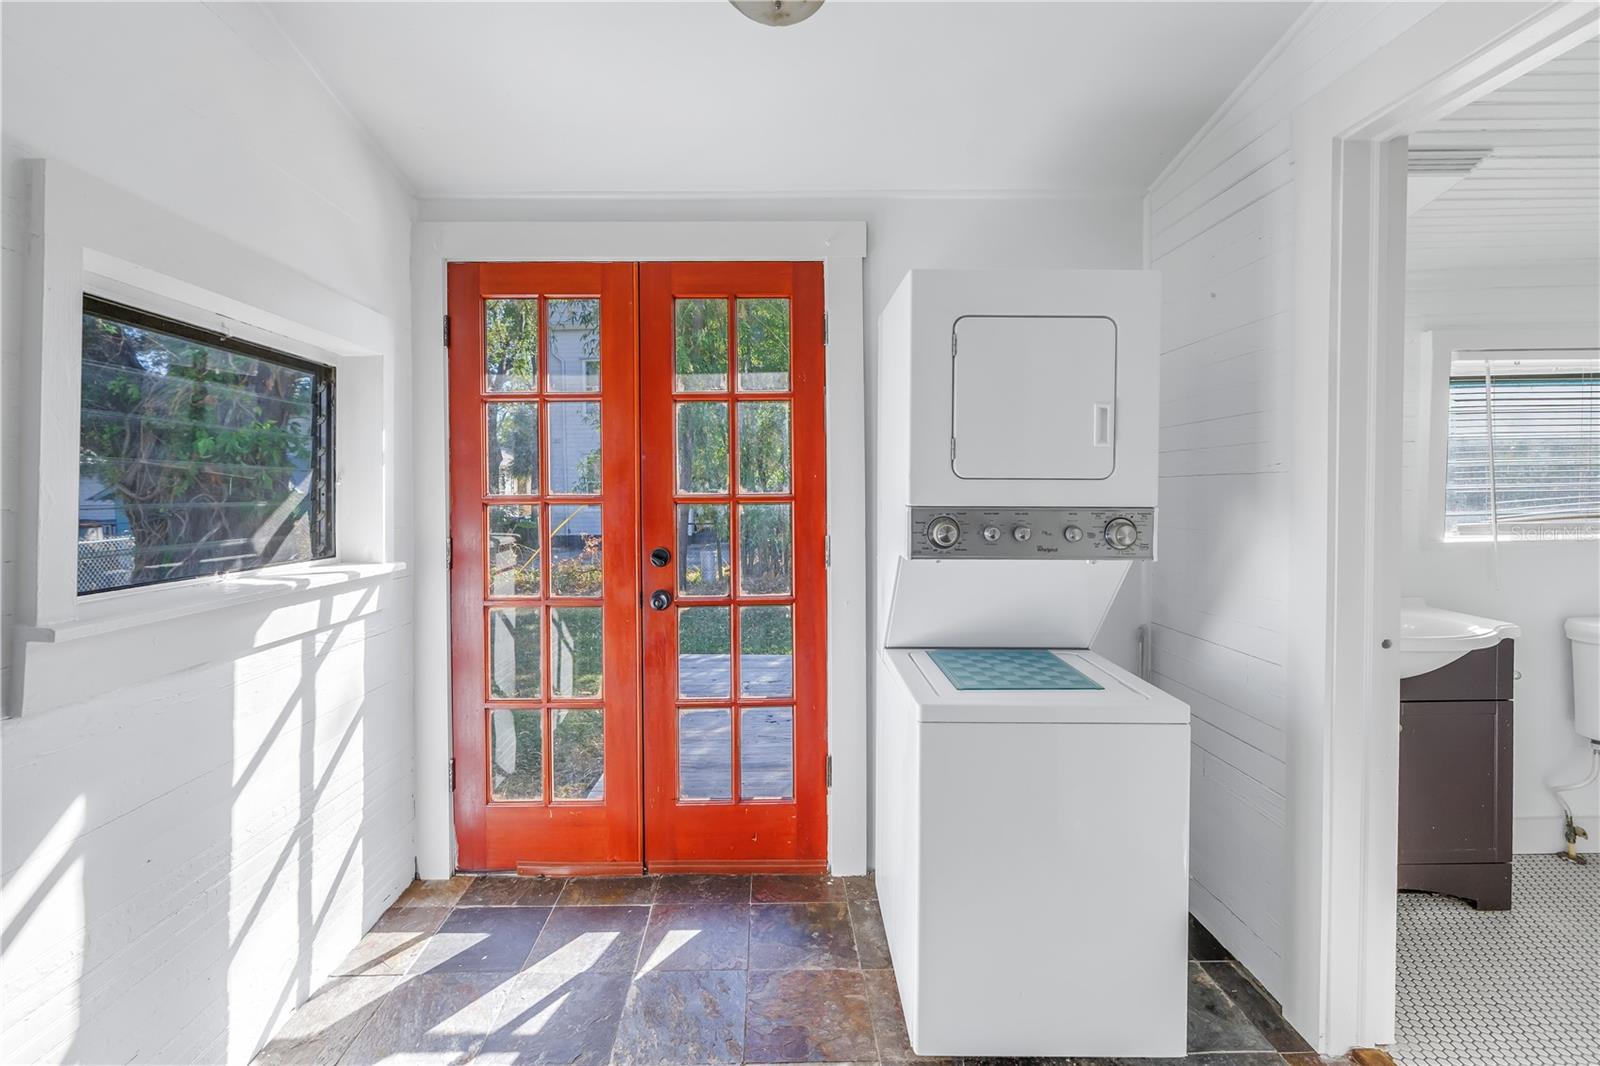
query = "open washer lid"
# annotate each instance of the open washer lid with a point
(1121, 698)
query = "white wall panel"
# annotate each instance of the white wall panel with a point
(184, 860)
(1221, 231)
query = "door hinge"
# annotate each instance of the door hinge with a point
(452, 775)
(449, 553)
(447, 331)
(824, 327)
(830, 772)
(827, 550)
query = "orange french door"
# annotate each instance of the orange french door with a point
(637, 566)
(544, 576)
(732, 495)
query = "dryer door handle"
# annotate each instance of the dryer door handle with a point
(1104, 425)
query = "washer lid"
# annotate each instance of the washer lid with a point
(1120, 698)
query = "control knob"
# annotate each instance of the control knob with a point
(1022, 534)
(1121, 533)
(943, 532)
(991, 533)
(1072, 534)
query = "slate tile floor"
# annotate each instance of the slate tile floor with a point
(681, 969)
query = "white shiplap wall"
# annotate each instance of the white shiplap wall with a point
(1221, 231)
(183, 861)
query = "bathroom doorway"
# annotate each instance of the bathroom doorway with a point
(1499, 547)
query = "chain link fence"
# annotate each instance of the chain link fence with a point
(105, 564)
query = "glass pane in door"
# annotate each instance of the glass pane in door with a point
(766, 753)
(764, 460)
(700, 345)
(576, 560)
(763, 345)
(577, 652)
(766, 548)
(513, 549)
(511, 345)
(705, 653)
(513, 441)
(702, 462)
(514, 653)
(578, 754)
(766, 652)
(516, 754)
(573, 343)
(705, 550)
(574, 448)
(705, 753)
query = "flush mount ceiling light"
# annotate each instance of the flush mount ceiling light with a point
(777, 12)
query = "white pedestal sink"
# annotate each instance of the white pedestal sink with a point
(1431, 637)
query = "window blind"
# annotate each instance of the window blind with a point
(1541, 477)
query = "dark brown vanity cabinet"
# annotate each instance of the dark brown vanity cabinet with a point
(1455, 779)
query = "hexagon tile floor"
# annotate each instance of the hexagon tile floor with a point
(1503, 988)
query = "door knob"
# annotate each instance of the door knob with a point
(661, 599)
(660, 557)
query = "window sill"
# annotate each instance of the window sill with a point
(1573, 538)
(111, 612)
(132, 609)
(121, 640)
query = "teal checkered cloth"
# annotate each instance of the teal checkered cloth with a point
(1008, 668)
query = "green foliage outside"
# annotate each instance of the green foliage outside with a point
(524, 778)
(700, 335)
(579, 740)
(577, 641)
(763, 631)
(518, 627)
(511, 344)
(765, 453)
(514, 448)
(207, 451)
(766, 547)
(764, 345)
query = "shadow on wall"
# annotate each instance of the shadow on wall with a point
(184, 862)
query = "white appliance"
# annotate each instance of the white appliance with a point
(1032, 798)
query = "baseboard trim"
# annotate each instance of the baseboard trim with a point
(1544, 834)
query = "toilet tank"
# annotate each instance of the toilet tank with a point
(1585, 636)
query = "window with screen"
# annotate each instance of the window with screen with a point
(1523, 457)
(198, 454)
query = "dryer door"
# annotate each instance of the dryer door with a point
(1034, 397)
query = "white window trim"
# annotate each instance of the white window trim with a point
(1439, 351)
(87, 236)
(840, 247)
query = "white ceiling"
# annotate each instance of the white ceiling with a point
(692, 98)
(1535, 198)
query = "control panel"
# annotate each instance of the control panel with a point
(1033, 533)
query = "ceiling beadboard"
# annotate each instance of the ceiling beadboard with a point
(1535, 199)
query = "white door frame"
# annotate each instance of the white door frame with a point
(1349, 306)
(840, 247)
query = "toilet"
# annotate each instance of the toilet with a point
(1585, 636)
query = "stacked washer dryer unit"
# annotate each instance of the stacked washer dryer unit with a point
(1032, 798)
